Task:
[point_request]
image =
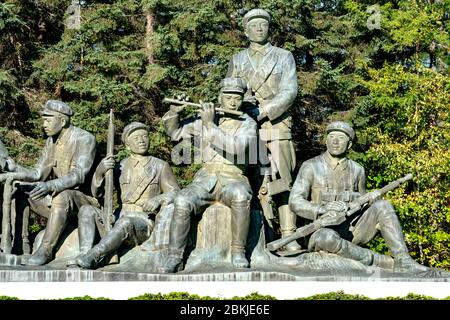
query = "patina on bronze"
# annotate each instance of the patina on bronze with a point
(325, 188)
(57, 178)
(272, 88)
(223, 138)
(146, 185)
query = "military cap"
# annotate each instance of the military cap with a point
(236, 85)
(133, 127)
(56, 107)
(255, 13)
(342, 127)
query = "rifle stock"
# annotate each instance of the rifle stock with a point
(338, 217)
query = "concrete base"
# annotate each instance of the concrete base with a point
(44, 274)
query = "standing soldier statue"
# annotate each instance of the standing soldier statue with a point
(272, 87)
(61, 171)
(145, 184)
(329, 185)
(225, 140)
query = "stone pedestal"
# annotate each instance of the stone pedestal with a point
(213, 238)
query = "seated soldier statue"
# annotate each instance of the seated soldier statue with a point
(225, 141)
(61, 171)
(144, 183)
(326, 185)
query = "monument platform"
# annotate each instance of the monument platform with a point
(46, 274)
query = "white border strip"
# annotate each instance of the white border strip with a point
(280, 290)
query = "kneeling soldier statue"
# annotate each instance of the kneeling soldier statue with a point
(325, 188)
(146, 184)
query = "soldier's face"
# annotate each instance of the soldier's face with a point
(231, 101)
(257, 30)
(138, 142)
(338, 143)
(53, 125)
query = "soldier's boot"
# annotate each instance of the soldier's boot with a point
(89, 259)
(240, 222)
(55, 226)
(383, 261)
(364, 256)
(179, 231)
(392, 233)
(86, 228)
(288, 224)
(86, 232)
(404, 263)
(108, 244)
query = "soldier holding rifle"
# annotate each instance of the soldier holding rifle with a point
(145, 185)
(326, 186)
(225, 140)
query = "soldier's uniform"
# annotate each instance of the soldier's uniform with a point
(272, 79)
(224, 154)
(321, 181)
(64, 165)
(137, 180)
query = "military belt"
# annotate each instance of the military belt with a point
(130, 207)
(222, 167)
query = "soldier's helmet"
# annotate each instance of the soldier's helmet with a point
(56, 107)
(255, 13)
(342, 127)
(233, 85)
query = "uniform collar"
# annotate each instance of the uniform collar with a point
(63, 138)
(265, 49)
(137, 160)
(335, 164)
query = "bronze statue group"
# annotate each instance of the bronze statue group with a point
(260, 87)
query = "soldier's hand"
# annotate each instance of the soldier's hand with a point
(176, 108)
(106, 164)
(207, 113)
(151, 205)
(262, 114)
(373, 196)
(40, 191)
(4, 176)
(338, 206)
(250, 100)
(183, 97)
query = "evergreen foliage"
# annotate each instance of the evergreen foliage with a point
(390, 79)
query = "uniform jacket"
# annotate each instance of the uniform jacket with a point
(318, 183)
(224, 149)
(67, 160)
(273, 83)
(139, 179)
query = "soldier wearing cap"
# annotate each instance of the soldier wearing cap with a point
(327, 184)
(145, 184)
(224, 141)
(61, 172)
(272, 87)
